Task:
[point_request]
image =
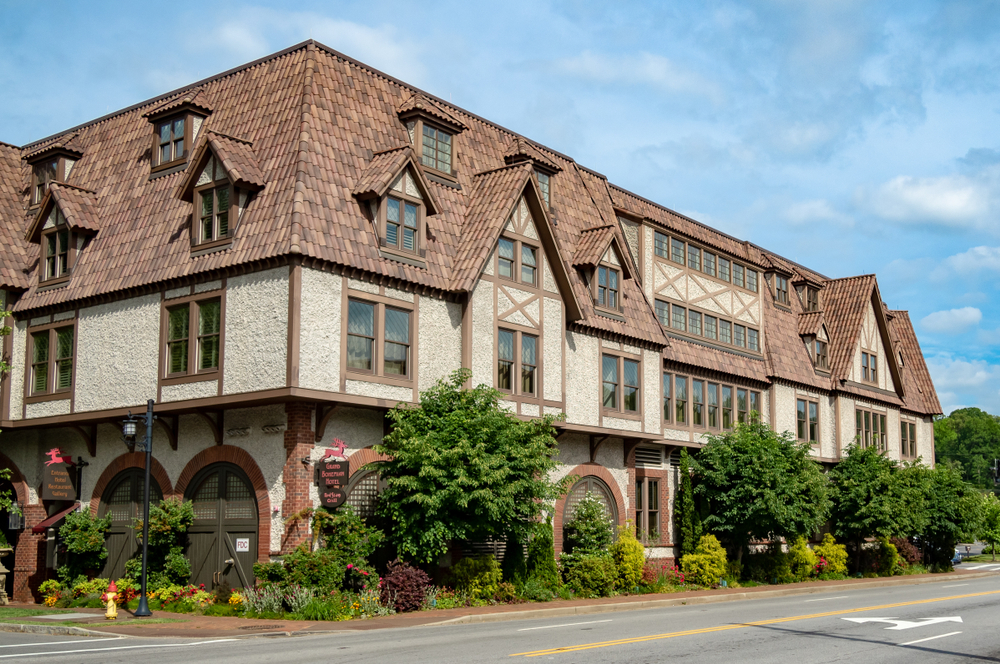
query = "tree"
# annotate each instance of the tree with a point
(989, 531)
(954, 513)
(687, 524)
(463, 468)
(872, 498)
(6, 500)
(971, 437)
(759, 484)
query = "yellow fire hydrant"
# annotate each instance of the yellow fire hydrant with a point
(112, 613)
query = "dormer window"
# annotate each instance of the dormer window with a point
(176, 125)
(56, 246)
(47, 171)
(781, 290)
(820, 357)
(812, 299)
(214, 196)
(171, 140)
(543, 185)
(607, 286)
(401, 216)
(436, 151)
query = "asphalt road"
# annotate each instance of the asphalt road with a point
(953, 621)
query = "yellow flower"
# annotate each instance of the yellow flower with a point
(51, 600)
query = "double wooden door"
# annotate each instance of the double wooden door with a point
(123, 501)
(223, 540)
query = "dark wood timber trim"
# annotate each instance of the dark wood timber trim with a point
(294, 323)
(89, 434)
(170, 426)
(595, 445)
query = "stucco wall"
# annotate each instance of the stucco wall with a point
(846, 433)
(482, 334)
(379, 391)
(256, 341)
(582, 378)
(184, 391)
(440, 340)
(574, 449)
(652, 388)
(47, 408)
(319, 337)
(784, 402)
(552, 347)
(19, 343)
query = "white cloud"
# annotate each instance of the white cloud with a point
(975, 259)
(962, 383)
(815, 210)
(952, 321)
(953, 200)
(643, 68)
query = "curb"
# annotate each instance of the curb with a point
(565, 611)
(52, 630)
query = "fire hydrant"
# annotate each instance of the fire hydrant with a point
(112, 613)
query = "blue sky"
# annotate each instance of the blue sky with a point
(853, 137)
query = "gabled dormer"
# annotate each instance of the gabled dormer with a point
(176, 125)
(397, 198)
(601, 258)
(432, 131)
(520, 151)
(222, 183)
(50, 163)
(808, 291)
(816, 337)
(63, 225)
(778, 280)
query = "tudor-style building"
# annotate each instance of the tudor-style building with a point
(278, 254)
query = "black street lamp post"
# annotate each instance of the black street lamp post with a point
(129, 436)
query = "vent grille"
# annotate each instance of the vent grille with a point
(675, 458)
(649, 457)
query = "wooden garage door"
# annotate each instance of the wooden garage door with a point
(223, 540)
(123, 501)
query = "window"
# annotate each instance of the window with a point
(661, 244)
(723, 269)
(401, 224)
(607, 287)
(725, 332)
(667, 410)
(741, 406)
(698, 403)
(529, 365)
(781, 289)
(529, 264)
(740, 336)
(752, 280)
(694, 258)
(677, 251)
(755, 402)
(708, 266)
(822, 362)
(505, 360)
(869, 367)
(738, 275)
(908, 439)
(647, 510)
(506, 258)
(679, 320)
(170, 140)
(694, 322)
(216, 197)
(401, 216)
(51, 361)
(56, 244)
(807, 420)
(812, 299)
(436, 149)
(680, 399)
(508, 266)
(378, 339)
(753, 340)
(543, 185)
(870, 428)
(509, 343)
(711, 327)
(727, 407)
(611, 368)
(42, 175)
(194, 337)
(663, 312)
(713, 406)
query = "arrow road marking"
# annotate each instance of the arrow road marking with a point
(905, 624)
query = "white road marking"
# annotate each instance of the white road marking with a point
(905, 624)
(589, 622)
(976, 567)
(82, 650)
(823, 599)
(929, 638)
(59, 643)
(957, 585)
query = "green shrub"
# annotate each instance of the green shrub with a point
(707, 564)
(323, 569)
(589, 575)
(50, 587)
(513, 566)
(220, 610)
(269, 572)
(91, 587)
(589, 531)
(347, 535)
(770, 566)
(535, 590)
(541, 562)
(887, 561)
(83, 535)
(329, 607)
(479, 576)
(802, 559)
(506, 593)
(834, 554)
(630, 558)
(169, 521)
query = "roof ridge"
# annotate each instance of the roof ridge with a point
(230, 137)
(402, 146)
(72, 186)
(499, 168)
(298, 198)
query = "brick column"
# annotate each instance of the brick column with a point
(297, 476)
(29, 557)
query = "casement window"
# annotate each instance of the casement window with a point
(679, 319)
(667, 400)
(42, 175)
(723, 269)
(781, 290)
(727, 407)
(401, 217)
(701, 324)
(740, 336)
(870, 428)
(544, 183)
(820, 357)
(807, 420)
(662, 312)
(869, 367)
(378, 339)
(694, 257)
(708, 266)
(58, 247)
(751, 280)
(518, 258)
(620, 384)
(647, 510)
(908, 439)
(193, 337)
(217, 205)
(738, 275)
(170, 140)
(607, 286)
(680, 399)
(661, 244)
(694, 323)
(753, 340)
(725, 332)
(713, 405)
(436, 149)
(677, 251)
(697, 403)
(742, 406)
(401, 223)
(517, 354)
(52, 360)
(812, 299)
(755, 403)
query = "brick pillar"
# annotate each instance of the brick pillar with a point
(297, 476)
(630, 489)
(29, 557)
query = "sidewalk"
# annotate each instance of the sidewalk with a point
(189, 626)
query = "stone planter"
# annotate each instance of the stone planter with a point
(4, 552)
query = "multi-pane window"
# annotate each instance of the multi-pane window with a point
(194, 337)
(529, 264)
(752, 280)
(713, 406)
(613, 367)
(43, 174)
(725, 332)
(505, 360)
(647, 510)
(755, 402)
(609, 379)
(711, 327)
(679, 319)
(738, 275)
(807, 420)
(908, 439)
(781, 289)
(822, 362)
(506, 258)
(401, 224)
(170, 140)
(529, 363)
(543, 185)
(708, 267)
(56, 248)
(508, 265)
(727, 407)
(677, 251)
(663, 312)
(694, 322)
(607, 287)
(436, 149)
(630, 374)
(680, 399)
(667, 401)
(214, 199)
(661, 244)
(378, 339)
(740, 336)
(869, 367)
(51, 360)
(694, 257)
(811, 300)
(723, 269)
(753, 340)
(698, 403)
(509, 342)
(870, 428)
(741, 406)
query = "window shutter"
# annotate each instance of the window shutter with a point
(648, 457)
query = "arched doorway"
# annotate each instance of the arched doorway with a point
(223, 538)
(123, 501)
(601, 491)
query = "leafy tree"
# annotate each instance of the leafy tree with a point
(759, 484)
(463, 468)
(989, 530)
(954, 513)
(169, 521)
(971, 437)
(687, 522)
(589, 530)
(541, 563)
(83, 536)
(6, 500)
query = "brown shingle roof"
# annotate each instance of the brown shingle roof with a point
(702, 356)
(385, 166)
(66, 143)
(810, 322)
(237, 158)
(196, 97)
(78, 205)
(521, 149)
(419, 102)
(15, 254)
(845, 302)
(592, 245)
(921, 397)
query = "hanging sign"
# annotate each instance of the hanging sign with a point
(333, 476)
(58, 477)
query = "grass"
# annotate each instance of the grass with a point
(26, 613)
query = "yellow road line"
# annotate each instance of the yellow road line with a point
(721, 628)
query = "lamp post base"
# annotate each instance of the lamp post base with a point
(143, 609)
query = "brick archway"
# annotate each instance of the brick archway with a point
(241, 458)
(124, 462)
(16, 478)
(584, 470)
(29, 555)
(363, 457)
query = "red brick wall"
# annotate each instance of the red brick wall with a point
(583, 470)
(124, 462)
(29, 557)
(298, 477)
